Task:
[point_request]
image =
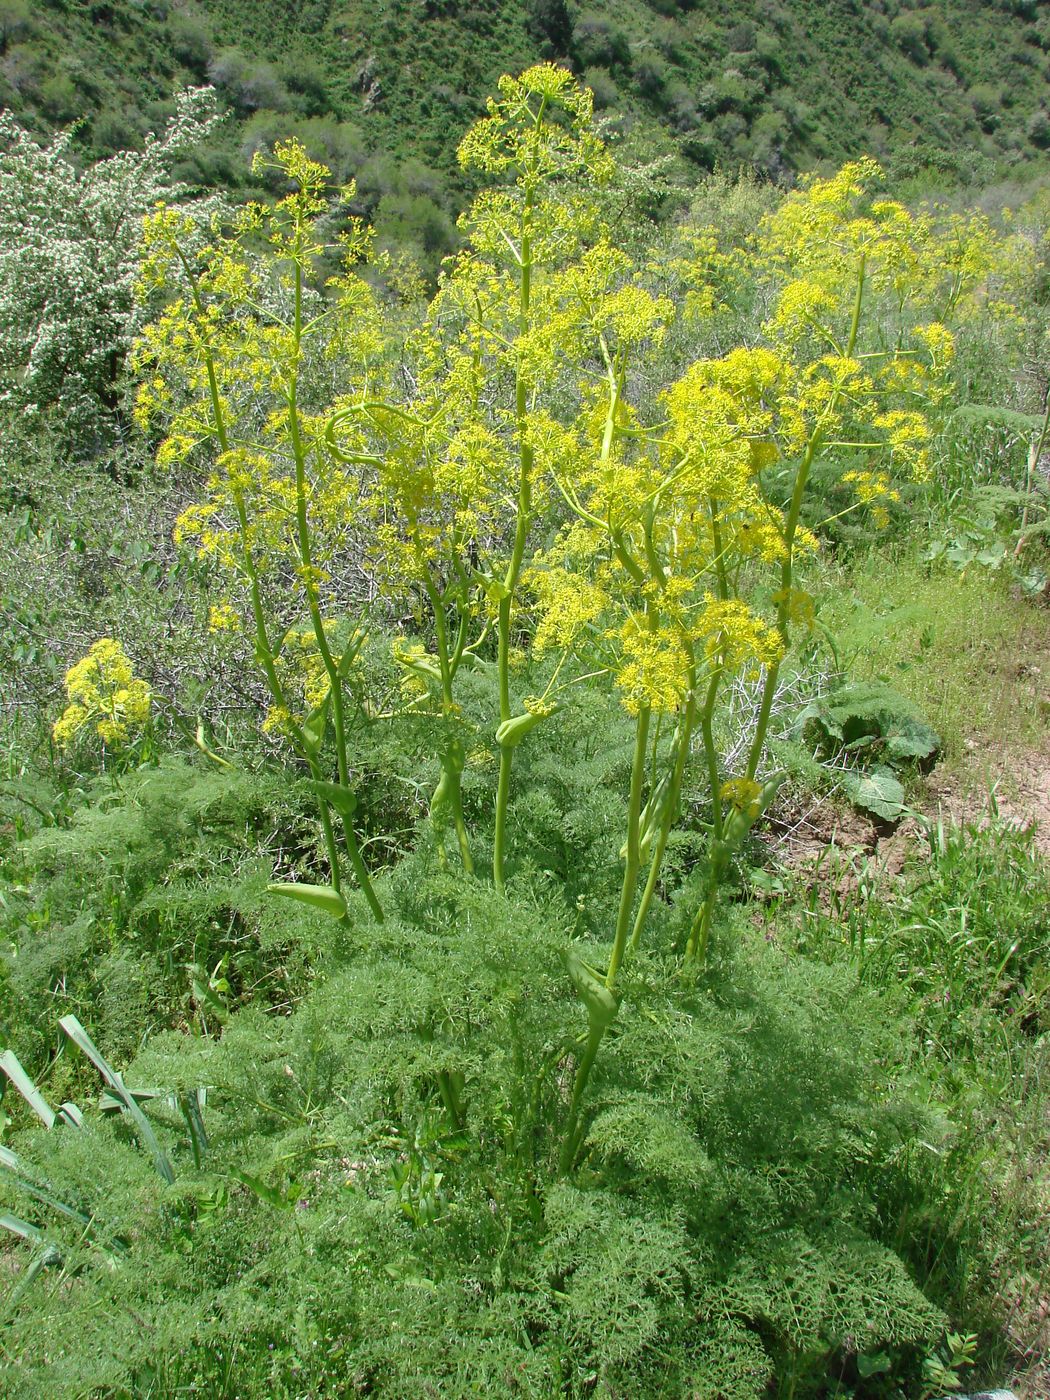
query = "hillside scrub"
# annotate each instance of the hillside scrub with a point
(948, 92)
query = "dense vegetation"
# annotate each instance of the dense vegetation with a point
(381, 94)
(401, 993)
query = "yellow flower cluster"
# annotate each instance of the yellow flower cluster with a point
(590, 302)
(567, 604)
(223, 617)
(735, 637)
(514, 135)
(745, 795)
(104, 693)
(653, 671)
(219, 374)
(799, 606)
(301, 665)
(908, 439)
(874, 489)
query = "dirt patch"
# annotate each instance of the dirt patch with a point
(833, 849)
(802, 834)
(828, 842)
(1013, 785)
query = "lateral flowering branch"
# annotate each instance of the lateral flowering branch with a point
(104, 696)
(677, 530)
(225, 368)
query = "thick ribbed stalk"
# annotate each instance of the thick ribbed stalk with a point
(632, 865)
(628, 889)
(513, 573)
(449, 794)
(720, 561)
(700, 933)
(681, 744)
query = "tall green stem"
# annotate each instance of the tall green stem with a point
(448, 799)
(522, 522)
(700, 933)
(628, 889)
(316, 620)
(263, 649)
(790, 529)
(680, 749)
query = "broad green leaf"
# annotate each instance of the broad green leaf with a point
(46, 1257)
(353, 647)
(272, 1195)
(874, 1364)
(112, 1103)
(602, 1004)
(314, 726)
(190, 1104)
(919, 741)
(878, 792)
(868, 714)
(205, 992)
(511, 732)
(343, 799)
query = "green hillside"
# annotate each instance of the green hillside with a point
(779, 84)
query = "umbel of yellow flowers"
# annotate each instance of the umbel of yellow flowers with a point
(105, 696)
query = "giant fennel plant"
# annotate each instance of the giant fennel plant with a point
(505, 467)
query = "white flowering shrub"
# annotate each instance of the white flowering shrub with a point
(69, 243)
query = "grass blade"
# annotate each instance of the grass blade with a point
(12, 1164)
(191, 1111)
(46, 1257)
(21, 1228)
(80, 1038)
(11, 1066)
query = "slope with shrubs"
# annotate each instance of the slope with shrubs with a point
(380, 94)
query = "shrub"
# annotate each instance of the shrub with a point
(247, 84)
(908, 31)
(1038, 130)
(16, 23)
(305, 79)
(597, 43)
(191, 42)
(549, 22)
(987, 104)
(69, 241)
(603, 85)
(650, 76)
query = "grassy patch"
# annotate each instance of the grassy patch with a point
(973, 657)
